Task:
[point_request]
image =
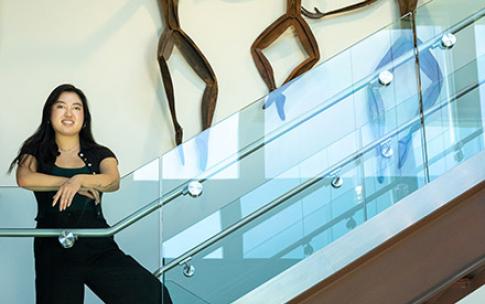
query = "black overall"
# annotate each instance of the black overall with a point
(96, 262)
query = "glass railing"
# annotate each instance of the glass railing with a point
(326, 119)
(455, 132)
(317, 215)
(403, 157)
(183, 295)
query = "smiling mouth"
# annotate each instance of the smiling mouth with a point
(67, 122)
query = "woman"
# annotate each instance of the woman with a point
(68, 172)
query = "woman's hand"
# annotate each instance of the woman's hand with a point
(92, 194)
(66, 192)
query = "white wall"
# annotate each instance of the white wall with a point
(108, 48)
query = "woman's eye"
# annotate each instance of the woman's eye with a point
(59, 106)
(77, 108)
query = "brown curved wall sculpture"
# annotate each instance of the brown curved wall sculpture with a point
(293, 18)
(270, 34)
(405, 7)
(172, 36)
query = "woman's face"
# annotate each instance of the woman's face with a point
(67, 115)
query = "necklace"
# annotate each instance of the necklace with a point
(68, 150)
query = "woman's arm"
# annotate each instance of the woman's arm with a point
(107, 181)
(28, 177)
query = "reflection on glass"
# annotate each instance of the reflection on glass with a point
(192, 158)
(429, 66)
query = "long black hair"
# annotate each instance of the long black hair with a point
(42, 143)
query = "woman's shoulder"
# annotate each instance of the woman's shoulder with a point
(97, 152)
(30, 149)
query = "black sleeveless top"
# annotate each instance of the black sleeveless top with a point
(83, 212)
(81, 206)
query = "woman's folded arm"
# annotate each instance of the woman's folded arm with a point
(107, 181)
(29, 178)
